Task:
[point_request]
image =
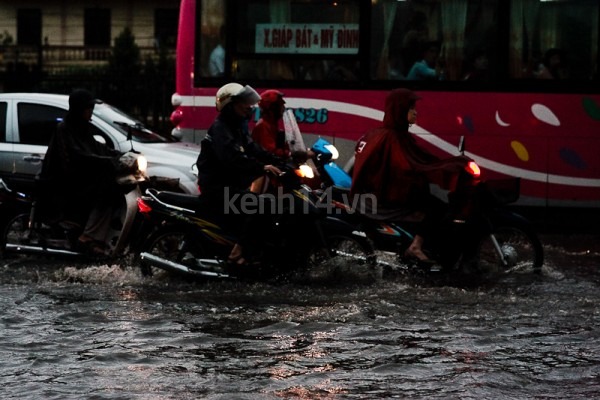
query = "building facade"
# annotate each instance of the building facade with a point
(54, 34)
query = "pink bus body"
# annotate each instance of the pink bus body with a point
(550, 140)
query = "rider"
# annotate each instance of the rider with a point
(79, 174)
(391, 165)
(230, 161)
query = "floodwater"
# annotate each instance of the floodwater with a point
(70, 331)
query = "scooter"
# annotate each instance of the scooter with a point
(26, 229)
(190, 241)
(478, 235)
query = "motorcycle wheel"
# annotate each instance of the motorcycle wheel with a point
(519, 246)
(175, 245)
(14, 232)
(350, 256)
(353, 249)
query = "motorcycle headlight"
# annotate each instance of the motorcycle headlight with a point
(142, 163)
(333, 150)
(305, 171)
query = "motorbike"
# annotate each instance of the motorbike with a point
(479, 234)
(29, 226)
(189, 240)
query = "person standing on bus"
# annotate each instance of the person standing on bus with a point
(553, 65)
(412, 42)
(229, 162)
(216, 60)
(478, 69)
(391, 165)
(429, 67)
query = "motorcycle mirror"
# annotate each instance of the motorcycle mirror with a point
(130, 128)
(461, 145)
(130, 138)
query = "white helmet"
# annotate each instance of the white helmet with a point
(234, 91)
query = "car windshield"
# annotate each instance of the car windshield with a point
(124, 123)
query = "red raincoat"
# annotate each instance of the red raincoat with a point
(267, 134)
(391, 165)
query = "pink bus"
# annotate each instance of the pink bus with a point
(519, 79)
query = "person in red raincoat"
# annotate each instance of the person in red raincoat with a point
(390, 165)
(267, 134)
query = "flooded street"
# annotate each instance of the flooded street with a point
(103, 332)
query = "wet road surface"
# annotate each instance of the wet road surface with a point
(72, 331)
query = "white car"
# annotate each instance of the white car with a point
(28, 120)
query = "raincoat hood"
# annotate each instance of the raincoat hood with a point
(397, 104)
(81, 99)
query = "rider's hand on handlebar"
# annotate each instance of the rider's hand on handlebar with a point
(273, 169)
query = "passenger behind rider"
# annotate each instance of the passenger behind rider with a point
(392, 166)
(229, 162)
(267, 134)
(78, 175)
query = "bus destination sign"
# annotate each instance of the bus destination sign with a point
(307, 38)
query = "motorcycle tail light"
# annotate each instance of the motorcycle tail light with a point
(473, 169)
(143, 207)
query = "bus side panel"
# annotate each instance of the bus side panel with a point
(549, 140)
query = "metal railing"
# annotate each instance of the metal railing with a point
(55, 59)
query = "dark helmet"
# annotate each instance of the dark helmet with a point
(271, 97)
(81, 99)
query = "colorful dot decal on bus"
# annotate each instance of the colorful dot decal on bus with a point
(544, 114)
(468, 123)
(520, 150)
(573, 159)
(591, 108)
(499, 120)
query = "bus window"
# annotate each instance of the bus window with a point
(212, 38)
(553, 39)
(296, 40)
(455, 40)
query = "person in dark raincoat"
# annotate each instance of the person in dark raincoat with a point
(78, 175)
(391, 165)
(229, 162)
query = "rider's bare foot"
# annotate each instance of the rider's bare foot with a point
(236, 253)
(417, 254)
